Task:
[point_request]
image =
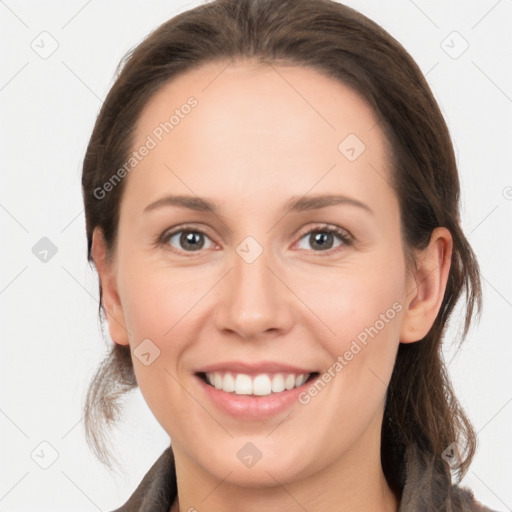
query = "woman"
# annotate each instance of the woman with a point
(271, 199)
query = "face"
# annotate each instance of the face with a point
(262, 275)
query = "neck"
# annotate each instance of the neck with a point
(354, 482)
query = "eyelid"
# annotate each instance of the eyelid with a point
(327, 227)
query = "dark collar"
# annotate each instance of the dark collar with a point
(421, 493)
(157, 490)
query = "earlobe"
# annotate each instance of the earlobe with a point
(426, 288)
(110, 297)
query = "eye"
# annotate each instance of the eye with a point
(322, 238)
(188, 240)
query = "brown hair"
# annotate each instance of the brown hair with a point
(421, 409)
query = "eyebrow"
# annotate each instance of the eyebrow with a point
(295, 204)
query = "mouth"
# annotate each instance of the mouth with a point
(262, 384)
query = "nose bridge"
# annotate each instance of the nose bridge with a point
(253, 300)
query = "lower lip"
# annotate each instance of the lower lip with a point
(251, 406)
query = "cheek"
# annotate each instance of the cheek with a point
(161, 310)
(156, 310)
(364, 314)
(355, 304)
(364, 309)
(155, 303)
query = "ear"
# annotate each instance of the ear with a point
(111, 302)
(426, 286)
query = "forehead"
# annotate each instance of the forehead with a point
(254, 124)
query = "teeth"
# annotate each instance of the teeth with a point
(229, 383)
(259, 385)
(289, 382)
(278, 383)
(262, 385)
(300, 380)
(217, 380)
(243, 384)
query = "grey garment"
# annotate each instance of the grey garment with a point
(423, 490)
(427, 487)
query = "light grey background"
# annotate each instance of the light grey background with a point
(51, 339)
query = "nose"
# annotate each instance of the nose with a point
(254, 302)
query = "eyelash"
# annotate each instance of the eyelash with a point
(343, 235)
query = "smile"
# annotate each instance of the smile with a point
(262, 384)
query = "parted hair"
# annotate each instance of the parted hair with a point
(421, 409)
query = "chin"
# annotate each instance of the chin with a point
(257, 462)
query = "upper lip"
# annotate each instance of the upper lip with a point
(253, 368)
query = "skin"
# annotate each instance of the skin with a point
(260, 135)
